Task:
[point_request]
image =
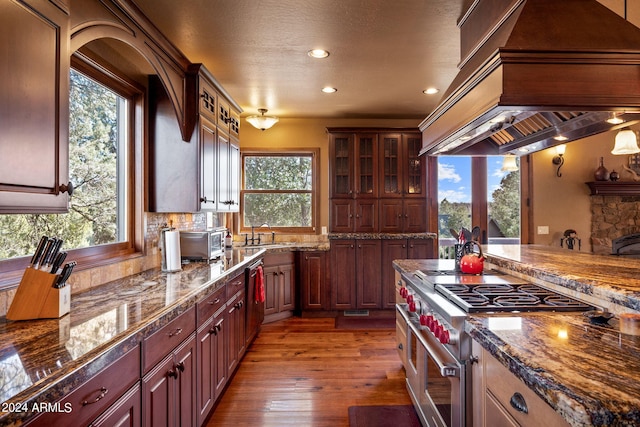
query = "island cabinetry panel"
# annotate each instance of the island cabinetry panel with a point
(34, 107)
(502, 399)
(169, 389)
(236, 318)
(280, 285)
(312, 272)
(400, 249)
(97, 395)
(355, 274)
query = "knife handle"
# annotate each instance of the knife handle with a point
(46, 252)
(39, 249)
(58, 262)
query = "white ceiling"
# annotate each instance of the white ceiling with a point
(384, 53)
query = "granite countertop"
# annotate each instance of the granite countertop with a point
(589, 374)
(42, 360)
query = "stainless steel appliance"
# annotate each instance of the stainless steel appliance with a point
(202, 245)
(433, 304)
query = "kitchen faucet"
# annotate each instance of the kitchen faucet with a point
(259, 238)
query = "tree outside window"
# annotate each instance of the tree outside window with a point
(279, 190)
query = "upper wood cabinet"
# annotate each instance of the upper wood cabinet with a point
(202, 174)
(377, 181)
(34, 106)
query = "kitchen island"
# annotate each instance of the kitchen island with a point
(42, 361)
(589, 374)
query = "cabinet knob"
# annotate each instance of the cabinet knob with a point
(180, 366)
(68, 188)
(176, 332)
(172, 373)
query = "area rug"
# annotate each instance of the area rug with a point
(347, 322)
(383, 416)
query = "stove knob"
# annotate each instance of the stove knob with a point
(423, 319)
(430, 321)
(410, 300)
(412, 306)
(445, 337)
(403, 292)
(438, 330)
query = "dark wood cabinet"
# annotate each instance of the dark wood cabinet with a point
(205, 171)
(96, 396)
(312, 273)
(377, 181)
(169, 389)
(355, 274)
(255, 308)
(34, 112)
(280, 285)
(127, 411)
(393, 249)
(236, 317)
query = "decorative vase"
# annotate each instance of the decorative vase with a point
(602, 173)
(614, 176)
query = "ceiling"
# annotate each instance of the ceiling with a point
(383, 53)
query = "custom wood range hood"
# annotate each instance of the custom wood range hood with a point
(532, 70)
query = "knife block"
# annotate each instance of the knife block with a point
(36, 298)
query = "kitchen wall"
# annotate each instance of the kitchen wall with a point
(564, 202)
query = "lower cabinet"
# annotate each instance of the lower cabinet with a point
(280, 285)
(236, 317)
(355, 274)
(125, 412)
(400, 249)
(314, 292)
(102, 394)
(500, 399)
(169, 389)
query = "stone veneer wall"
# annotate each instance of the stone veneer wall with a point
(613, 217)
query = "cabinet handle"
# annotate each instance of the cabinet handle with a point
(205, 200)
(180, 366)
(172, 373)
(103, 393)
(213, 331)
(68, 188)
(176, 332)
(215, 301)
(400, 347)
(399, 215)
(518, 403)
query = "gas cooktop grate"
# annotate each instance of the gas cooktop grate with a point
(508, 297)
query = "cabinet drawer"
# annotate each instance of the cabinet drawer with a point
(279, 258)
(208, 306)
(503, 385)
(235, 285)
(166, 339)
(97, 394)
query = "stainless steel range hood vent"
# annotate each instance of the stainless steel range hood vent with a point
(533, 70)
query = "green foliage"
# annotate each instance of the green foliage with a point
(453, 215)
(505, 208)
(278, 190)
(93, 150)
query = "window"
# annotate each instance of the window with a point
(100, 222)
(279, 189)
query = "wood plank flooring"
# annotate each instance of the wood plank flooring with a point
(304, 372)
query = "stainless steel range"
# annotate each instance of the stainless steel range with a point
(433, 304)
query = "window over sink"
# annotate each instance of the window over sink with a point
(279, 189)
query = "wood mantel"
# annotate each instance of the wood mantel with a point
(614, 188)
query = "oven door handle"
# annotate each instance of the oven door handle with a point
(448, 368)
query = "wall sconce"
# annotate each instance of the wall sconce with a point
(558, 159)
(262, 122)
(509, 163)
(626, 142)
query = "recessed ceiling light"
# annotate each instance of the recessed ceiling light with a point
(560, 138)
(318, 53)
(329, 89)
(430, 91)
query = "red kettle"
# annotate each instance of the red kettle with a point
(472, 262)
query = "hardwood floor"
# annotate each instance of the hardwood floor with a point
(304, 372)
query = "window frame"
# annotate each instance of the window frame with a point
(11, 270)
(314, 153)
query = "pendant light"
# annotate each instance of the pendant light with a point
(626, 142)
(262, 122)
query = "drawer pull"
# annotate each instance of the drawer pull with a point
(176, 332)
(400, 347)
(180, 366)
(215, 301)
(103, 393)
(518, 403)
